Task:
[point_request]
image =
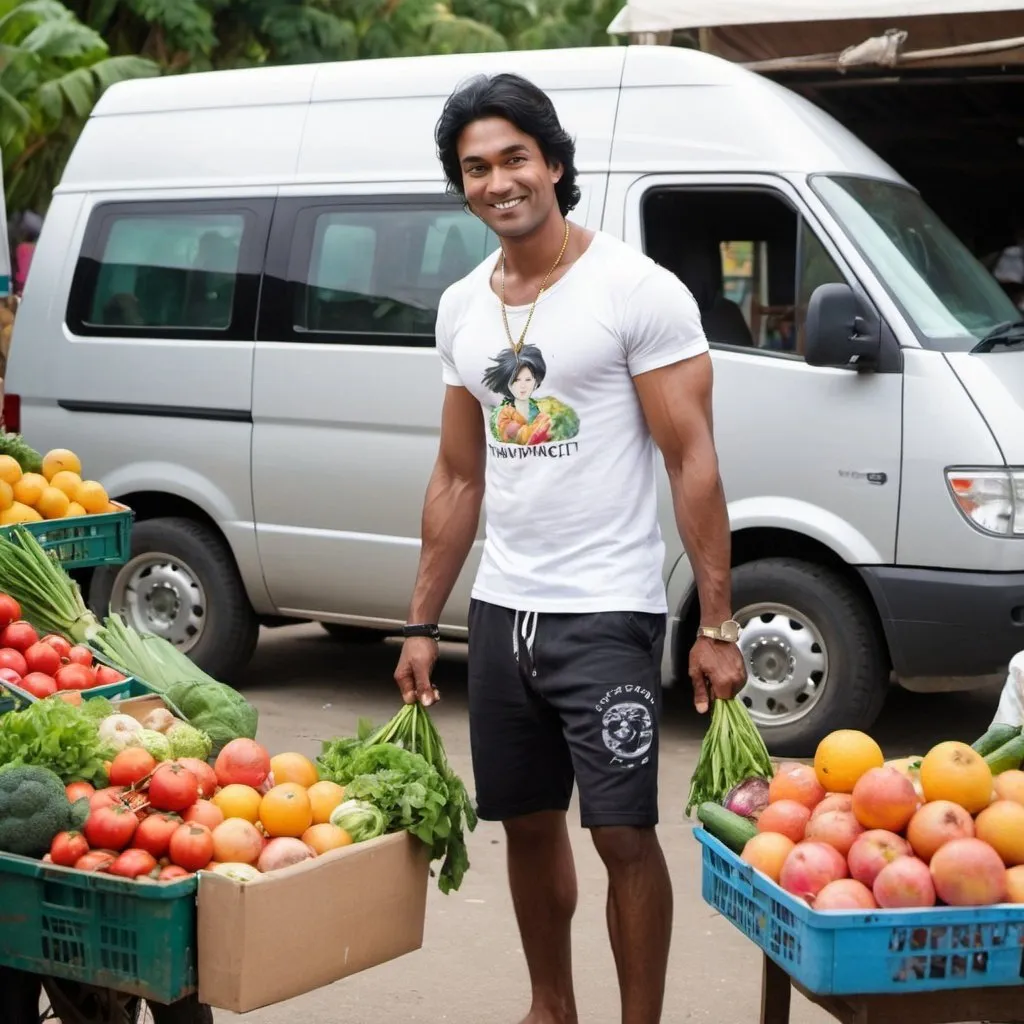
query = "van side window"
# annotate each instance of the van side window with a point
(748, 257)
(368, 272)
(166, 268)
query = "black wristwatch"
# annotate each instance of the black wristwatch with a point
(428, 629)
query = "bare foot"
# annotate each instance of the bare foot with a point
(546, 1015)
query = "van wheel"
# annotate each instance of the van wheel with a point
(181, 583)
(815, 657)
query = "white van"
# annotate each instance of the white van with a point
(231, 315)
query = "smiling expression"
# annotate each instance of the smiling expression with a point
(506, 180)
(524, 383)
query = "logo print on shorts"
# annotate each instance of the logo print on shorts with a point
(628, 730)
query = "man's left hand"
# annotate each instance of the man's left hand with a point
(718, 671)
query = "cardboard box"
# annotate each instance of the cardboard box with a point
(308, 925)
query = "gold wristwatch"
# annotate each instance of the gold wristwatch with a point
(728, 631)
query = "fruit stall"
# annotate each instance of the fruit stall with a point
(150, 846)
(882, 890)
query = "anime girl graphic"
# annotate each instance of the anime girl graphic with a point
(523, 418)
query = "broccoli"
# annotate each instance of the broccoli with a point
(33, 808)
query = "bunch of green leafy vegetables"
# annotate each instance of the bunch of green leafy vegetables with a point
(402, 768)
(56, 735)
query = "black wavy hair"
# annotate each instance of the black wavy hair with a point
(498, 378)
(522, 104)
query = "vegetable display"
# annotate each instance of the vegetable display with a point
(731, 753)
(855, 832)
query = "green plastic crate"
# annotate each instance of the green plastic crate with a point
(96, 929)
(83, 541)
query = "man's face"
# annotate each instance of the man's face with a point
(505, 178)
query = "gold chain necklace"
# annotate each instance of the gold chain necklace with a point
(517, 346)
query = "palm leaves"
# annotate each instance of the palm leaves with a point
(52, 70)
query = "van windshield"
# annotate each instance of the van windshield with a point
(948, 297)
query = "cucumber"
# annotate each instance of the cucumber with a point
(994, 738)
(1009, 755)
(728, 828)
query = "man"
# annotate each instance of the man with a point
(566, 359)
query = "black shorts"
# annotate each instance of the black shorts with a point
(557, 698)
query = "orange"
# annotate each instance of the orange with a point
(74, 509)
(324, 797)
(6, 495)
(1001, 825)
(10, 469)
(67, 482)
(1010, 785)
(326, 837)
(58, 460)
(29, 488)
(285, 810)
(19, 513)
(293, 767)
(954, 771)
(52, 503)
(843, 756)
(238, 801)
(92, 497)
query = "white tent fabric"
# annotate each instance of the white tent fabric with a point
(664, 15)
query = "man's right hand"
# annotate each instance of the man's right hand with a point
(419, 654)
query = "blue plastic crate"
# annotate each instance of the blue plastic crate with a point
(858, 953)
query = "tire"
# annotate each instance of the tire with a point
(816, 659)
(353, 634)
(181, 582)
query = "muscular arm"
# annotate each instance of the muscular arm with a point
(676, 402)
(451, 510)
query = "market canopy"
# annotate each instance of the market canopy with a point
(843, 33)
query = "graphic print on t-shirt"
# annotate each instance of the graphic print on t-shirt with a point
(523, 417)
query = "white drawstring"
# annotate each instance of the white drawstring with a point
(528, 630)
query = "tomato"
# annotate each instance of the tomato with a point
(79, 655)
(43, 658)
(20, 635)
(75, 677)
(154, 833)
(105, 675)
(111, 828)
(191, 846)
(10, 658)
(130, 765)
(106, 797)
(173, 788)
(133, 863)
(10, 610)
(203, 772)
(68, 848)
(8, 675)
(58, 643)
(39, 685)
(96, 860)
(172, 873)
(78, 790)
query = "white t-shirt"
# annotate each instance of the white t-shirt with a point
(570, 492)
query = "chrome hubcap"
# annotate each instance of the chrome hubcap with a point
(157, 593)
(787, 663)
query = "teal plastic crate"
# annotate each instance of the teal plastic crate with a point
(97, 929)
(13, 698)
(865, 952)
(83, 541)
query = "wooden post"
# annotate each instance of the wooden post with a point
(775, 993)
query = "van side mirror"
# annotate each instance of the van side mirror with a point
(841, 330)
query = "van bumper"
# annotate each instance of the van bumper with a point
(941, 622)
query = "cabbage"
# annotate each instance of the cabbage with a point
(188, 741)
(215, 708)
(153, 742)
(360, 819)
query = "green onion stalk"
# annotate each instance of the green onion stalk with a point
(732, 752)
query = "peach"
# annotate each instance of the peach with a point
(906, 882)
(884, 798)
(834, 802)
(968, 873)
(787, 817)
(796, 782)
(845, 894)
(767, 853)
(872, 851)
(936, 823)
(840, 829)
(810, 867)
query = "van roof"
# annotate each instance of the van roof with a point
(372, 120)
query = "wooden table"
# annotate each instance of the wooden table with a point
(989, 1005)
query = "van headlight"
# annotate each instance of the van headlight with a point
(991, 500)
